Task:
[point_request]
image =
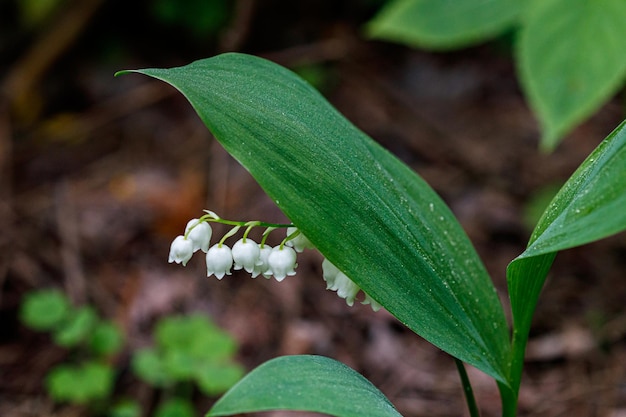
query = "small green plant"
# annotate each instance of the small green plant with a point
(570, 54)
(382, 230)
(75, 328)
(189, 350)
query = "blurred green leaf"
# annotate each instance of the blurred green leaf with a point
(305, 383)
(106, 339)
(126, 408)
(444, 24)
(572, 57)
(77, 327)
(189, 348)
(175, 407)
(80, 384)
(367, 212)
(200, 17)
(319, 76)
(37, 12)
(179, 364)
(148, 365)
(44, 310)
(195, 335)
(213, 378)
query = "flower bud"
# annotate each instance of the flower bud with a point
(282, 262)
(181, 250)
(246, 254)
(219, 260)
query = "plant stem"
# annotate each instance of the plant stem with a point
(210, 218)
(467, 389)
(509, 400)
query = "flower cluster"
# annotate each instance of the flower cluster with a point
(256, 258)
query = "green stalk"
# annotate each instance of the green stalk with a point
(467, 389)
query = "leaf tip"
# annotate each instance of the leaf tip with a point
(122, 72)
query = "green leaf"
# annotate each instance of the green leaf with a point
(305, 383)
(45, 309)
(106, 339)
(175, 407)
(80, 384)
(444, 24)
(590, 206)
(572, 58)
(148, 365)
(125, 408)
(367, 212)
(180, 365)
(214, 378)
(194, 336)
(200, 17)
(76, 328)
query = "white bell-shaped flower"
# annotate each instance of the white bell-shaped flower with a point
(199, 234)
(181, 250)
(282, 262)
(373, 303)
(219, 260)
(338, 281)
(300, 242)
(246, 253)
(263, 265)
(329, 272)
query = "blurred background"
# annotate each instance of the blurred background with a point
(98, 175)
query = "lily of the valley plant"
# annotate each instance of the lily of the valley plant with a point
(380, 228)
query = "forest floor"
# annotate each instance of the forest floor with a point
(99, 174)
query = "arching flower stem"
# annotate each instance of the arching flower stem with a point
(212, 217)
(289, 237)
(230, 233)
(266, 233)
(250, 225)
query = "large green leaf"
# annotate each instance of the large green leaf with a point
(367, 212)
(444, 24)
(305, 383)
(572, 58)
(590, 206)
